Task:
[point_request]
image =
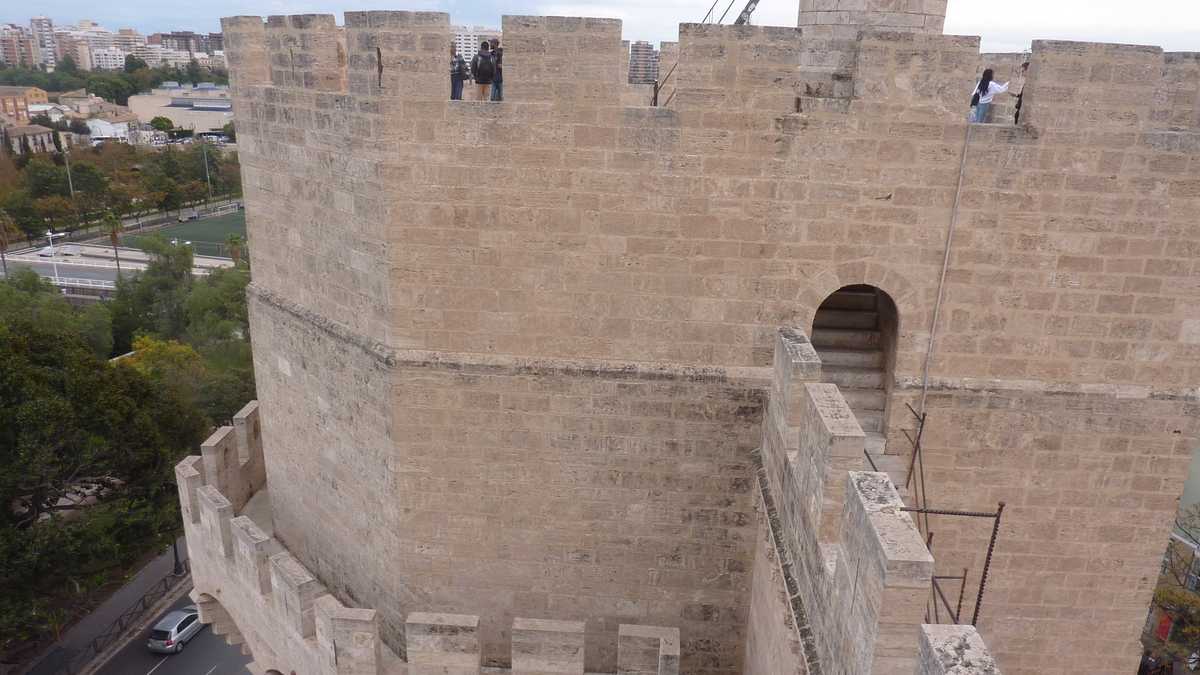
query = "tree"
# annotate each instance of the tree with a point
(235, 243)
(79, 127)
(112, 225)
(231, 131)
(44, 179)
(160, 123)
(67, 65)
(8, 232)
(72, 424)
(133, 63)
(1177, 594)
(154, 302)
(55, 213)
(194, 73)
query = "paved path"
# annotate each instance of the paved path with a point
(69, 270)
(79, 636)
(205, 654)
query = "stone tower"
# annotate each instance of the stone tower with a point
(566, 382)
(850, 16)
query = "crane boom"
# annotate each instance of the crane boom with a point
(744, 17)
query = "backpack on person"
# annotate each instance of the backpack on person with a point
(485, 69)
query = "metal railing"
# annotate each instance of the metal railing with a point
(64, 661)
(87, 283)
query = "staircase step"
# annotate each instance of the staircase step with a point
(853, 378)
(864, 399)
(853, 338)
(857, 358)
(850, 300)
(846, 318)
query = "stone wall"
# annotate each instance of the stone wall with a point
(791, 163)
(855, 563)
(508, 488)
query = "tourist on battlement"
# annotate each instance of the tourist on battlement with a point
(981, 98)
(458, 74)
(498, 59)
(483, 68)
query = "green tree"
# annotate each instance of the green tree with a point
(79, 127)
(194, 72)
(67, 65)
(235, 243)
(154, 302)
(133, 63)
(231, 131)
(44, 179)
(160, 123)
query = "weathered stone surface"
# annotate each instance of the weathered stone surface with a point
(537, 394)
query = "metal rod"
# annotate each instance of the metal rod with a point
(916, 448)
(938, 589)
(870, 461)
(921, 463)
(950, 512)
(937, 618)
(961, 589)
(710, 11)
(727, 8)
(987, 563)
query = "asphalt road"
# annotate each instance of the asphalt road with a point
(205, 654)
(68, 270)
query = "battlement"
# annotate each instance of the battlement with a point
(850, 556)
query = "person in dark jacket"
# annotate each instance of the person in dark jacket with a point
(483, 69)
(458, 74)
(498, 80)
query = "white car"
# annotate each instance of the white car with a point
(174, 630)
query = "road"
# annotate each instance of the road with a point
(205, 654)
(68, 270)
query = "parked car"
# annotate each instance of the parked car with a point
(171, 634)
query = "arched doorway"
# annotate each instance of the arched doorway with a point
(854, 332)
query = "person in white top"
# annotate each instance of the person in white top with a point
(982, 95)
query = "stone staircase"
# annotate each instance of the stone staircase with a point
(846, 334)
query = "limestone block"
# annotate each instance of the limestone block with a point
(796, 362)
(252, 548)
(215, 515)
(953, 650)
(442, 644)
(294, 590)
(349, 637)
(546, 647)
(189, 476)
(222, 468)
(831, 442)
(647, 650)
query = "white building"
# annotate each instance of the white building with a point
(468, 38)
(109, 58)
(118, 128)
(128, 39)
(54, 111)
(42, 29)
(157, 55)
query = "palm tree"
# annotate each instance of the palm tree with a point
(235, 243)
(112, 225)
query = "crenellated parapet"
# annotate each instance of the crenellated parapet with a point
(247, 584)
(255, 592)
(853, 562)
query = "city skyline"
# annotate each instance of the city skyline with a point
(1172, 24)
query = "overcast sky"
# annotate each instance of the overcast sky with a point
(1005, 25)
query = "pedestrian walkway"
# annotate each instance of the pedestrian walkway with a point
(77, 639)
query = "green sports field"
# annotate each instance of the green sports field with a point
(207, 234)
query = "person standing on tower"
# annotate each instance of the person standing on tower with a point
(458, 73)
(484, 70)
(981, 98)
(498, 59)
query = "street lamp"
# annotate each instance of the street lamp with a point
(54, 261)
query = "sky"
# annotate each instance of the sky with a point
(1005, 25)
